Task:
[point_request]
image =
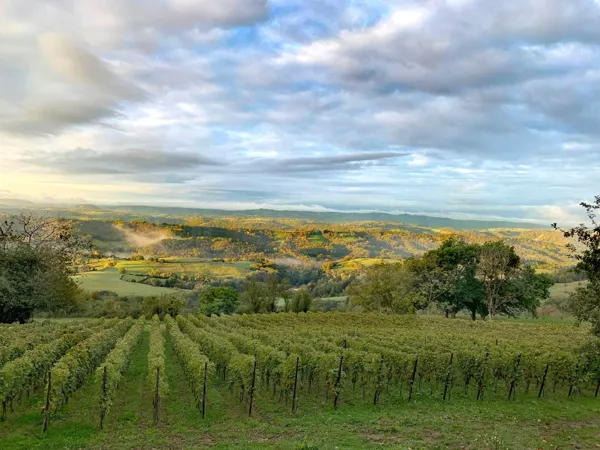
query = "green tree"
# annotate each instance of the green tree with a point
(509, 287)
(301, 301)
(272, 290)
(454, 277)
(525, 291)
(252, 297)
(163, 305)
(584, 303)
(388, 288)
(218, 300)
(37, 256)
(497, 265)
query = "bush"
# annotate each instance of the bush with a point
(163, 305)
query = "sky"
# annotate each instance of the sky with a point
(461, 108)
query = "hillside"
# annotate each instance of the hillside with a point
(321, 236)
(250, 239)
(154, 213)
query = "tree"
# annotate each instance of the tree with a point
(37, 256)
(525, 291)
(218, 300)
(456, 284)
(430, 280)
(163, 305)
(272, 291)
(509, 287)
(585, 301)
(388, 288)
(252, 297)
(497, 264)
(301, 301)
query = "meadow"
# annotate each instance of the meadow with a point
(563, 290)
(108, 278)
(307, 381)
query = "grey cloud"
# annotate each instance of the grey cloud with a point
(125, 23)
(78, 65)
(71, 86)
(312, 164)
(53, 117)
(81, 161)
(485, 75)
(339, 159)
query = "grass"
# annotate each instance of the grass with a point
(549, 423)
(353, 264)
(109, 280)
(190, 266)
(563, 290)
(317, 237)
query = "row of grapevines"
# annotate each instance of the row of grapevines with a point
(193, 361)
(27, 372)
(382, 349)
(70, 371)
(14, 345)
(109, 373)
(319, 362)
(47, 331)
(274, 366)
(239, 367)
(156, 359)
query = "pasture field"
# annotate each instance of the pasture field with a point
(352, 264)
(109, 280)
(563, 290)
(306, 381)
(188, 266)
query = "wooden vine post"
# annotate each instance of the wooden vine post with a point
(597, 388)
(103, 408)
(156, 395)
(294, 396)
(204, 390)
(543, 383)
(512, 391)
(377, 392)
(481, 384)
(573, 380)
(252, 389)
(47, 408)
(338, 381)
(412, 379)
(447, 383)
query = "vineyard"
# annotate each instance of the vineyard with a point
(288, 375)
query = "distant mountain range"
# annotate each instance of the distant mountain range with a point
(157, 213)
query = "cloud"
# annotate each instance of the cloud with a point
(79, 66)
(447, 106)
(70, 86)
(342, 162)
(82, 162)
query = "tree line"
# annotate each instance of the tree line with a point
(482, 279)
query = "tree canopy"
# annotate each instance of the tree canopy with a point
(485, 279)
(218, 300)
(36, 257)
(585, 301)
